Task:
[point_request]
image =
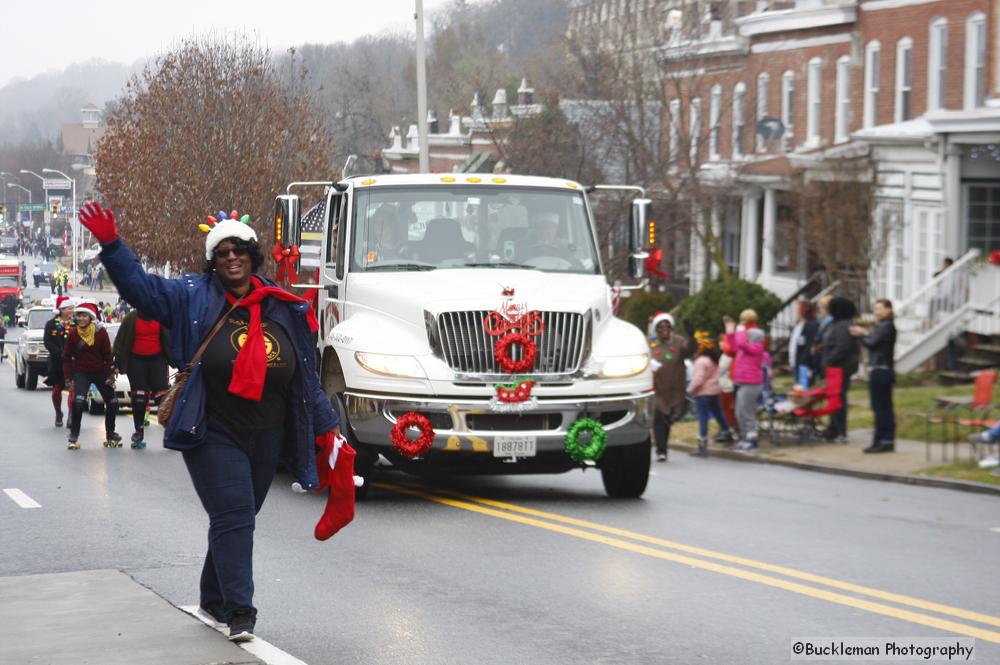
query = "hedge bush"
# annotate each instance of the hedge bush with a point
(706, 308)
(639, 307)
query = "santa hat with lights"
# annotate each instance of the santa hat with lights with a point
(223, 226)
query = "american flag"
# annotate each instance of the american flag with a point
(311, 242)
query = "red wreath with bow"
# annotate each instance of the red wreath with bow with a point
(501, 351)
(653, 262)
(418, 446)
(285, 258)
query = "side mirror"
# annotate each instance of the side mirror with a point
(287, 216)
(637, 233)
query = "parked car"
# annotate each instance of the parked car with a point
(42, 273)
(8, 245)
(31, 359)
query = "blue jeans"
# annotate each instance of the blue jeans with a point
(232, 485)
(706, 407)
(802, 376)
(880, 394)
(994, 432)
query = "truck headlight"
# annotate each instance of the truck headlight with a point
(32, 348)
(387, 365)
(619, 367)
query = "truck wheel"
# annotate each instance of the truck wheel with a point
(18, 377)
(363, 463)
(625, 470)
(31, 382)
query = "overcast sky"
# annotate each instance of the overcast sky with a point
(52, 34)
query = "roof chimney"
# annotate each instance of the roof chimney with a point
(397, 139)
(455, 122)
(525, 95)
(412, 138)
(500, 104)
(432, 121)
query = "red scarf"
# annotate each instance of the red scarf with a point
(250, 367)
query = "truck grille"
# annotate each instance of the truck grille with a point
(468, 348)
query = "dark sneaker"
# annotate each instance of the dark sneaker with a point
(137, 442)
(241, 626)
(213, 612)
(724, 437)
(114, 440)
(59, 420)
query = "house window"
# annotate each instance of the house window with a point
(763, 82)
(904, 79)
(873, 61)
(739, 118)
(675, 118)
(937, 64)
(787, 106)
(814, 101)
(983, 202)
(695, 130)
(714, 113)
(843, 98)
(975, 61)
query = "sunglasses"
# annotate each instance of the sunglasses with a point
(237, 250)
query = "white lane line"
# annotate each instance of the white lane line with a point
(21, 499)
(263, 649)
(996, 528)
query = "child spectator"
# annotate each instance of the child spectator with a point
(705, 390)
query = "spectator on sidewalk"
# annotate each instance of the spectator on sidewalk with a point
(705, 390)
(840, 349)
(100, 278)
(824, 319)
(800, 345)
(881, 345)
(667, 352)
(747, 344)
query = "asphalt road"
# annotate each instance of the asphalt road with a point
(720, 562)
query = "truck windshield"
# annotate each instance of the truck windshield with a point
(37, 318)
(423, 228)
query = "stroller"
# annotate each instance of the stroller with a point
(795, 418)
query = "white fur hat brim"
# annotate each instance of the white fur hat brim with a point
(663, 317)
(227, 228)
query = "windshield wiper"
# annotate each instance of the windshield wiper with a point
(401, 266)
(498, 265)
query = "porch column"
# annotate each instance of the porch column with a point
(954, 224)
(751, 241)
(770, 231)
(717, 233)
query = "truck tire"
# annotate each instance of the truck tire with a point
(18, 377)
(31, 380)
(625, 470)
(363, 465)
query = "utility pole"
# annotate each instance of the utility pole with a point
(425, 162)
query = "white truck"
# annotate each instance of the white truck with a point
(407, 271)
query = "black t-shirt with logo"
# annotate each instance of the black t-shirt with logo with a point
(236, 413)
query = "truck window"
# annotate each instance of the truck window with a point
(431, 227)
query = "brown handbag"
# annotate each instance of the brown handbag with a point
(166, 408)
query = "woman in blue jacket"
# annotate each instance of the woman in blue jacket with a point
(253, 396)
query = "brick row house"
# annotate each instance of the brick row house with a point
(911, 83)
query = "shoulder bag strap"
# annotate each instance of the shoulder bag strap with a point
(215, 329)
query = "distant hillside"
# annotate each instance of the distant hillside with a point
(34, 110)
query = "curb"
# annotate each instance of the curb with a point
(925, 481)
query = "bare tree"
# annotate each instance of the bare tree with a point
(209, 126)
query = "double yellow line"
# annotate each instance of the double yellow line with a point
(668, 550)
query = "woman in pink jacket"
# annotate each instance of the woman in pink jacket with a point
(705, 390)
(747, 342)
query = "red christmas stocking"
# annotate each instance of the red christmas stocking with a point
(335, 466)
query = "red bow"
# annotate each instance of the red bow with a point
(285, 257)
(653, 262)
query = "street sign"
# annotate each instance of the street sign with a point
(31, 207)
(56, 183)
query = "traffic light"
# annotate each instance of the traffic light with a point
(652, 233)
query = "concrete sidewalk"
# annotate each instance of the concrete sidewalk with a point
(903, 465)
(102, 617)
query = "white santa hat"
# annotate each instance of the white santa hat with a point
(663, 316)
(87, 308)
(227, 228)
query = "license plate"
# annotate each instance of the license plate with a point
(514, 446)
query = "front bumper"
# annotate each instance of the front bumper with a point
(465, 428)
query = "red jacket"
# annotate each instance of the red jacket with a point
(82, 358)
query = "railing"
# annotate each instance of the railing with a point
(966, 291)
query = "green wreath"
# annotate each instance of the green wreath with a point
(591, 451)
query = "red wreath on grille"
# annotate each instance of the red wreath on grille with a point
(501, 351)
(418, 446)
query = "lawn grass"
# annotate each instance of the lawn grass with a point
(968, 470)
